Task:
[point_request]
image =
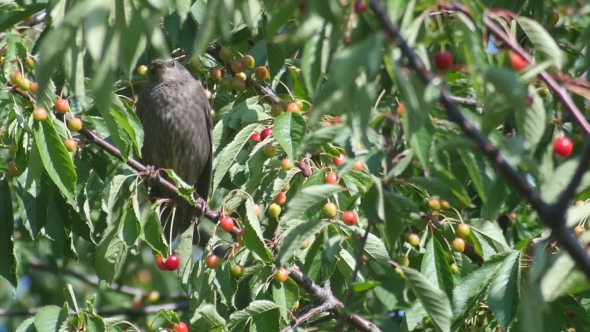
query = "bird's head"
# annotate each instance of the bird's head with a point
(163, 70)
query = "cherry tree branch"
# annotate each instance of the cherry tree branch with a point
(546, 213)
(328, 302)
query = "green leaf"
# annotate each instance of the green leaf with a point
(314, 60)
(532, 121)
(111, 253)
(56, 159)
(7, 20)
(436, 187)
(474, 287)
(151, 234)
(434, 301)
(51, 318)
(226, 157)
(253, 236)
(28, 325)
(129, 228)
(314, 140)
(184, 250)
(7, 257)
(285, 294)
(505, 290)
(436, 268)
(560, 179)
(296, 236)
(254, 309)
(288, 130)
(542, 40)
(561, 279)
(308, 197)
(276, 58)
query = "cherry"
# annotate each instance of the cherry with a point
(305, 169)
(261, 73)
(276, 109)
(227, 224)
(24, 84)
(237, 66)
(359, 166)
(225, 83)
(529, 100)
(293, 108)
(403, 261)
(458, 244)
(287, 164)
(208, 93)
(257, 209)
(274, 210)
(400, 110)
(349, 218)
(444, 204)
(359, 6)
(454, 269)
(242, 76)
(400, 273)
(160, 263)
(75, 124)
(34, 87)
(434, 204)
(281, 198)
(70, 145)
(226, 54)
(282, 275)
(265, 133)
(579, 230)
(330, 210)
(30, 64)
(12, 168)
(304, 245)
(563, 146)
(269, 151)
(15, 77)
(443, 61)
(552, 18)
(338, 160)
(463, 230)
(181, 327)
(172, 263)
(255, 137)
(248, 61)
(212, 261)
(196, 63)
(332, 178)
(336, 120)
(142, 71)
(40, 114)
(238, 84)
(517, 62)
(238, 271)
(414, 240)
(62, 106)
(137, 304)
(215, 74)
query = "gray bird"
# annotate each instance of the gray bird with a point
(176, 119)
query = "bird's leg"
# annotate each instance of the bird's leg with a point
(154, 175)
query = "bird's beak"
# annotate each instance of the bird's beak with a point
(157, 68)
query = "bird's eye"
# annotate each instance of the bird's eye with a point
(172, 63)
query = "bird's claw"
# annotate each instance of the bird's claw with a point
(154, 175)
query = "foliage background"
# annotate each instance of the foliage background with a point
(74, 218)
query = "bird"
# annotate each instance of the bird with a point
(176, 118)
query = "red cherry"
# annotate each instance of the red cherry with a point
(349, 218)
(255, 137)
(336, 120)
(226, 223)
(443, 60)
(62, 106)
(338, 160)
(563, 146)
(517, 62)
(172, 263)
(359, 6)
(160, 263)
(281, 198)
(181, 327)
(359, 166)
(265, 133)
(332, 178)
(212, 261)
(529, 100)
(293, 108)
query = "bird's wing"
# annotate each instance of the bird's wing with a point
(203, 184)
